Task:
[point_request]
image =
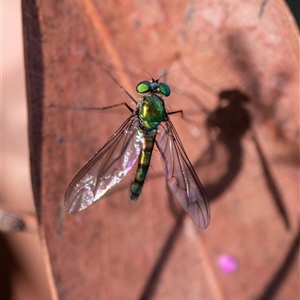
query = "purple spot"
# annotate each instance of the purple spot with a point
(227, 263)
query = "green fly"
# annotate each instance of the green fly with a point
(131, 145)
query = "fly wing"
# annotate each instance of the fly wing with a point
(181, 176)
(106, 169)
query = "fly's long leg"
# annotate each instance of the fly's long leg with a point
(180, 111)
(112, 78)
(91, 107)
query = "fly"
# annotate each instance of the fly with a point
(132, 144)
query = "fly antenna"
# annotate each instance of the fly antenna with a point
(176, 70)
(141, 68)
(185, 67)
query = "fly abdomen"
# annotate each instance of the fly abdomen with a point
(137, 184)
(143, 166)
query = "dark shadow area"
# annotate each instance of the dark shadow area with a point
(294, 6)
(157, 270)
(8, 266)
(281, 274)
(231, 120)
(34, 70)
(271, 183)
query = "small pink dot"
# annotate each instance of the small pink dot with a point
(227, 263)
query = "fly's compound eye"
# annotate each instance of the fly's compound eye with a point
(144, 87)
(164, 89)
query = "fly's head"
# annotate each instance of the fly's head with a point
(153, 87)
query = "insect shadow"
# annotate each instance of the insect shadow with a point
(229, 122)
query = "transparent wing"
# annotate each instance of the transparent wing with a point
(107, 168)
(181, 176)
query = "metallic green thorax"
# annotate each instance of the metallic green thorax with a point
(151, 112)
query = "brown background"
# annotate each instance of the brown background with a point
(117, 249)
